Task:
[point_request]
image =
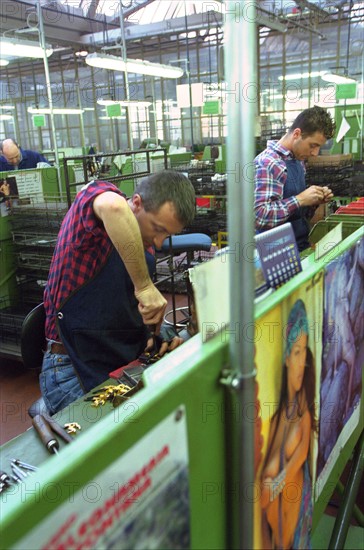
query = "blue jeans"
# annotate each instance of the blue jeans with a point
(58, 381)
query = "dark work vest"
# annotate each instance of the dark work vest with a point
(100, 325)
(294, 185)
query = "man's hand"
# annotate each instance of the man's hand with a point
(165, 346)
(151, 306)
(315, 195)
(328, 194)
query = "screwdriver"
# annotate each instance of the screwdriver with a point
(4, 478)
(24, 465)
(45, 434)
(18, 471)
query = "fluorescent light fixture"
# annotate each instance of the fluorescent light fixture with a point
(124, 103)
(112, 118)
(23, 48)
(59, 111)
(6, 117)
(139, 66)
(337, 78)
(271, 23)
(81, 53)
(298, 76)
(7, 107)
(89, 108)
(4, 62)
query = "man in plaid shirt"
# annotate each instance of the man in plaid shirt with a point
(280, 191)
(99, 296)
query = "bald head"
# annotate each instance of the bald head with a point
(10, 151)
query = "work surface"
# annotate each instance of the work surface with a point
(28, 447)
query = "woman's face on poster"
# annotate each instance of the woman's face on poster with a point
(296, 361)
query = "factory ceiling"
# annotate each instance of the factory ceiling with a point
(92, 25)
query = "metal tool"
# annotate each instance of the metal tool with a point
(4, 478)
(18, 471)
(24, 465)
(45, 425)
(16, 479)
(5, 481)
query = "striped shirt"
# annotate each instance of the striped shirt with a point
(81, 249)
(271, 209)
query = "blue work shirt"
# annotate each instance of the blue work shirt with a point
(29, 159)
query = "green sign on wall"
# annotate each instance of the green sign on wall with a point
(113, 110)
(39, 121)
(346, 91)
(211, 107)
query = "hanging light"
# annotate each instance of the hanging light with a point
(298, 76)
(337, 78)
(124, 103)
(56, 111)
(23, 48)
(139, 66)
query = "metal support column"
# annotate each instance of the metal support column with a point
(49, 93)
(126, 78)
(344, 515)
(242, 97)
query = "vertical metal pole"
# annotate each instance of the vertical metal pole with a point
(361, 129)
(126, 80)
(49, 93)
(342, 522)
(241, 95)
(82, 127)
(189, 80)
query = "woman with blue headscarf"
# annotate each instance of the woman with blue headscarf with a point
(286, 497)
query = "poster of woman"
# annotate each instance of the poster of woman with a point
(290, 426)
(342, 358)
(8, 194)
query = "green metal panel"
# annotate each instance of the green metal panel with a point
(5, 232)
(191, 382)
(48, 179)
(8, 284)
(127, 186)
(350, 224)
(179, 159)
(353, 140)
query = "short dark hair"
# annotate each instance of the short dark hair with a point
(168, 186)
(315, 119)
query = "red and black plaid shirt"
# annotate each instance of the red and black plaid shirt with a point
(82, 247)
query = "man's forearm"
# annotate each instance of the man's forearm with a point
(123, 230)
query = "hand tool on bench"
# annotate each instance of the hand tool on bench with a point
(45, 425)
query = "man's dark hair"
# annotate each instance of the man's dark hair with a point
(168, 186)
(315, 119)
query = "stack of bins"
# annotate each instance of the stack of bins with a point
(351, 217)
(32, 227)
(334, 171)
(9, 324)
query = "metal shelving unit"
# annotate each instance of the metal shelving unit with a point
(34, 227)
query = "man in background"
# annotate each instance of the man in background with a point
(14, 157)
(280, 189)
